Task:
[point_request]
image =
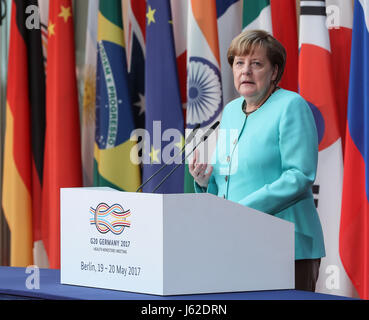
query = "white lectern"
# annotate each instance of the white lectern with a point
(171, 244)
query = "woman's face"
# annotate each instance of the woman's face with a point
(253, 75)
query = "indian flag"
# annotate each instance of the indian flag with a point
(204, 83)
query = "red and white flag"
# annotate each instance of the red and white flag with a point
(317, 87)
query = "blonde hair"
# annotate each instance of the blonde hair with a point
(246, 42)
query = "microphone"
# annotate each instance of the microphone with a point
(203, 139)
(188, 140)
(191, 136)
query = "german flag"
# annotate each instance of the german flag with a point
(62, 162)
(24, 135)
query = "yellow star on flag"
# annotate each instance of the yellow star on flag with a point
(150, 15)
(65, 13)
(154, 155)
(51, 29)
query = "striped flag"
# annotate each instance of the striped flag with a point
(257, 15)
(279, 19)
(115, 153)
(354, 228)
(89, 95)
(24, 136)
(319, 92)
(62, 160)
(204, 81)
(164, 116)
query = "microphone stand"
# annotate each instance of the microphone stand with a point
(189, 139)
(206, 135)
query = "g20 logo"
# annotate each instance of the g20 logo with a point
(110, 218)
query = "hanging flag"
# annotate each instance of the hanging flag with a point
(204, 81)
(205, 99)
(24, 136)
(89, 95)
(179, 18)
(284, 22)
(136, 59)
(164, 116)
(229, 18)
(62, 162)
(318, 91)
(257, 15)
(280, 21)
(339, 22)
(354, 228)
(116, 163)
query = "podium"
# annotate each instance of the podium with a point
(171, 244)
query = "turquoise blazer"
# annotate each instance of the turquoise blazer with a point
(267, 161)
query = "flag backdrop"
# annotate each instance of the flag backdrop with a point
(114, 121)
(62, 162)
(204, 80)
(24, 136)
(354, 229)
(319, 92)
(200, 50)
(164, 116)
(204, 98)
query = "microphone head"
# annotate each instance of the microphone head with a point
(210, 130)
(214, 126)
(193, 133)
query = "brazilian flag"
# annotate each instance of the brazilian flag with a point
(115, 153)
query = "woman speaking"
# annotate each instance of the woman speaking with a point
(271, 165)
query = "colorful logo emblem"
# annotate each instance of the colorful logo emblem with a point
(113, 218)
